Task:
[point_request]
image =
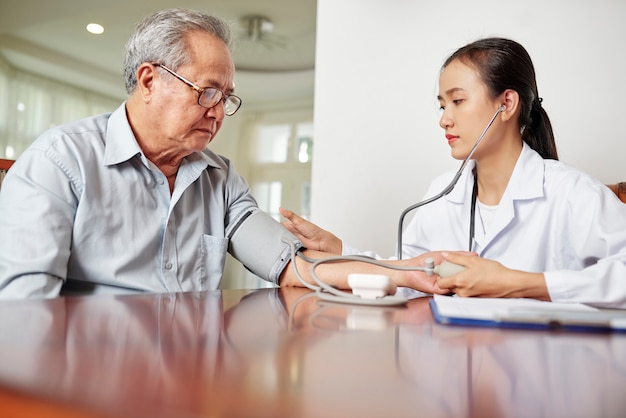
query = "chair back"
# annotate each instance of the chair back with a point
(620, 190)
(4, 167)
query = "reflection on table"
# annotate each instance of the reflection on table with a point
(285, 353)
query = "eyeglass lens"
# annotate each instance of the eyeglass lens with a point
(211, 97)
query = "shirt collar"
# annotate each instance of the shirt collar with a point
(121, 144)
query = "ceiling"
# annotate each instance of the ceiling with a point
(49, 38)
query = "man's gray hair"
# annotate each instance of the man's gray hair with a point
(161, 37)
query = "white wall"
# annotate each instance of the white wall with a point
(377, 139)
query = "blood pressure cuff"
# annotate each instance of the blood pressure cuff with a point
(261, 244)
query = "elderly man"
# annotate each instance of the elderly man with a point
(133, 200)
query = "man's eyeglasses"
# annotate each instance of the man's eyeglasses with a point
(209, 96)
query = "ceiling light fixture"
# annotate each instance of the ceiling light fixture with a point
(261, 47)
(256, 27)
(95, 28)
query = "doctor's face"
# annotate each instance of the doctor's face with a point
(466, 108)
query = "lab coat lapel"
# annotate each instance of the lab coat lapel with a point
(526, 183)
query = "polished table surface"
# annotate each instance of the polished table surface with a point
(285, 353)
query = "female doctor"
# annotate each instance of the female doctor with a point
(540, 228)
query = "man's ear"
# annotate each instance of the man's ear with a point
(146, 74)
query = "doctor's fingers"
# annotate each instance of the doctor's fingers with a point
(453, 283)
(294, 223)
(464, 275)
(461, 286)
(421, 281)
(287, 213)
(462, 258)
(482, 277)
(297, 224)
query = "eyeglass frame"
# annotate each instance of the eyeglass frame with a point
(201, 90)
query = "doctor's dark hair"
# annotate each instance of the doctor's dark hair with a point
(162, 37)
(504, 64)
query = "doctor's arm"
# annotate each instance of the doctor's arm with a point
(488, 278)
(592, 273)
(311, 235)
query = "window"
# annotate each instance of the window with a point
(273, 143)
(30, 104)
(280, 173)
(278, 152)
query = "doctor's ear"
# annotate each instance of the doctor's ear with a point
(509, 104)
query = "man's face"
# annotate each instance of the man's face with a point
(181, 125)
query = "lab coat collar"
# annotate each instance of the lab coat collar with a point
(526, 181)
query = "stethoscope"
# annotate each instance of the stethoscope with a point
(449, 188)
(331, 294)
(473, 213)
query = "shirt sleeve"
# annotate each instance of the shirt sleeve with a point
(31, 286)
(38, 203)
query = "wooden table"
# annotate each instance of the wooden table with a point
(285, 353)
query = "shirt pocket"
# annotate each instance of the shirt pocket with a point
(212, 259)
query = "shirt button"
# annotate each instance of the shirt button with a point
(161, 182)
(168, 266)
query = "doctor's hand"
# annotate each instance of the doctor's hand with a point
(488, 278)
(419, 280)
(311, 235)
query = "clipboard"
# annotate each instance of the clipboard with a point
(525, 314)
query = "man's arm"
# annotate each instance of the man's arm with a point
(336, 273)
(30, 286)
(37, 204)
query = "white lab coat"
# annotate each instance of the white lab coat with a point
(552, 218)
